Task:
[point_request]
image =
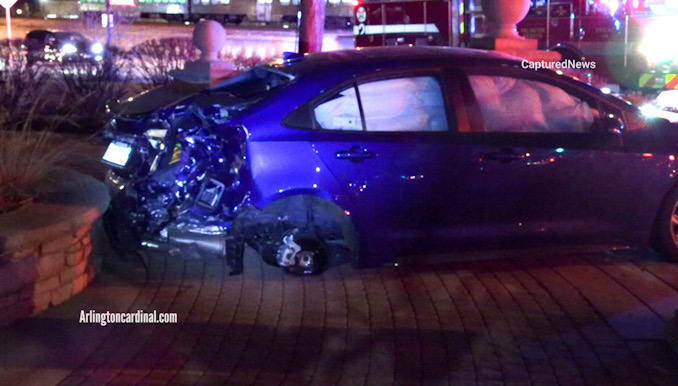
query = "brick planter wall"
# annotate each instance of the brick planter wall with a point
(45, 248)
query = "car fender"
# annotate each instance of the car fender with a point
(281, 169)
(289, 181)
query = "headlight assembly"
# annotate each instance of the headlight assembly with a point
(69, 48)
(97, 48)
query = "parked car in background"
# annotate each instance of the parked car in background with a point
(60, 47)
(371, 154)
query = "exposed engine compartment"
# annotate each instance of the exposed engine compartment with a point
(183, 184)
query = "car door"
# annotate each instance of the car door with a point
(386, 140)
(546, 164)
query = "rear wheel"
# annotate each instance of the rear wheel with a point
(665, 235)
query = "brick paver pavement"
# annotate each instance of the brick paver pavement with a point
(570, 319)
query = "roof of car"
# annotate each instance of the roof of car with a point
(59, 33)
(397, 55)
(38, 32)
(378, 58)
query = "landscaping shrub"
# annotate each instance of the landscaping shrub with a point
(21, 87)
(87, 87)
(242, 63)
(151, 61)
(72, 96)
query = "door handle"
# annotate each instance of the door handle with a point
(355, 154)
(502, 155)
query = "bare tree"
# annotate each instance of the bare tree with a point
(312, 26)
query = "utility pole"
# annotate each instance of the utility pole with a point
(109, 20)
(312, 26)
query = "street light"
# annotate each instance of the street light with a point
(7, 4)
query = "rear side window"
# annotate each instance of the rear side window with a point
(392, 105)
(519, 105)
(69, 37)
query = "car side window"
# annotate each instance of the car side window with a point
(340, 112)
(391, 105)
(512, 104)
(403, 104)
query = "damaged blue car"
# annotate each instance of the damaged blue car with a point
(364, 156)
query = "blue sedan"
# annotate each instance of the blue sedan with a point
(368, 155)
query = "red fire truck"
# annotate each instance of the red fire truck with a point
(630, 40)
(404, 22)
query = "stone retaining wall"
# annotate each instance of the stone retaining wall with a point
(46, 248)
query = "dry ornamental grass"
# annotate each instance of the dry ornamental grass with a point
(25, 158)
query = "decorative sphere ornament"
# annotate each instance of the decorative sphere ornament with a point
(210, 37)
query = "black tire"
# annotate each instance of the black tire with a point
(121, 236)
(665, 233)
(268, 254)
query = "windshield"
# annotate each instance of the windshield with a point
(253, 83)
(69, 36)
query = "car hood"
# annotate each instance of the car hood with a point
(153, 100)
(137, 114)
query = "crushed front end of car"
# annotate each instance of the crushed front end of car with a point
(178, 178)
(181, 181)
